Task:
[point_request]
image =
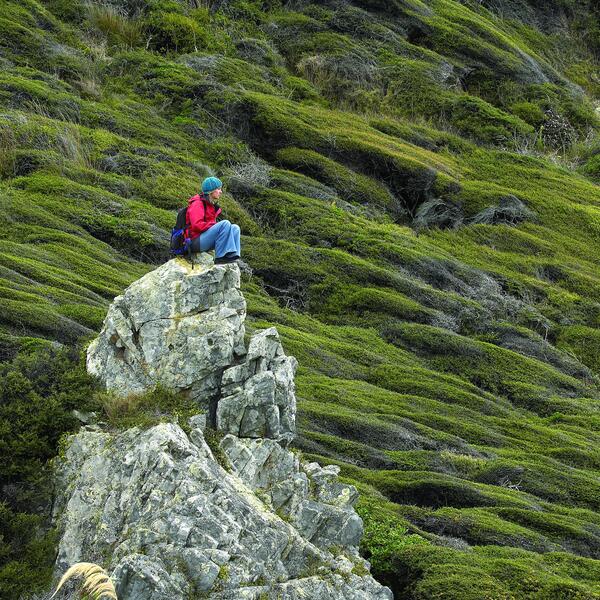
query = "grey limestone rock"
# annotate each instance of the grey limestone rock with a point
(177, 326)
(307, 495)
(257, 397)
(156, 508)
(183, 328)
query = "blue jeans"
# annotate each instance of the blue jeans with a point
(223, 236)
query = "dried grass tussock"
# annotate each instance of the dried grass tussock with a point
(96, 582)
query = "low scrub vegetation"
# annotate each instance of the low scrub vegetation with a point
(416, 185)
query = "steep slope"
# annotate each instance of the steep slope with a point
(416, 186)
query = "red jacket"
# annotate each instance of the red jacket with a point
(201, 215)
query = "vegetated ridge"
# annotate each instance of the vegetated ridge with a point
(417, 187)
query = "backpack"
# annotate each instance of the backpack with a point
(181, 244)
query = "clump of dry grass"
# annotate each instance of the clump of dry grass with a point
(118, 27)
(146, 409)
(117, 407)
(438, 213)
(96, 582)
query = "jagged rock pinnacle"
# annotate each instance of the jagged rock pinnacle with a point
(155, 506)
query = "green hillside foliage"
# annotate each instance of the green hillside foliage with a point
(40, 385)
(417, 187)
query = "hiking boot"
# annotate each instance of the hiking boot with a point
(226, 259)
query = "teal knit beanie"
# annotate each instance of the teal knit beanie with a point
(210, 184)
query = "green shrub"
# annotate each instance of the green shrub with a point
(385, 535)
(349, 185)
(67, 10)
(301, 90)
(258, 51)
(167, 83)
(301, 185)
(344, 78)
(411, 173)
(495, 369)
(38, 390)
(579, 113)
(413, 89)
(591, 167)
(495, 572)
(89, 316)
(461, 582)
(26, 87)
(582, 342)
(18, 33)
(239, 74)
(529, 112)
(26, 553)
(370, 305)
(7, 152)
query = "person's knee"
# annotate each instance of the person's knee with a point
(225, 223)
(236, 228)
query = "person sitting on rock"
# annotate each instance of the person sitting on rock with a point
(205, 233)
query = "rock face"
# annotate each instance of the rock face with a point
(177, 326)
(158, 510)
(257, 396)
(155, 506)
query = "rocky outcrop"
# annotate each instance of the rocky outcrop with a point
(158, 510)
(155, 506)
(182, 326)
(306, 495)
(257, 396)
(178, 326)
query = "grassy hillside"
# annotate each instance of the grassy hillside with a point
(417, 187)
